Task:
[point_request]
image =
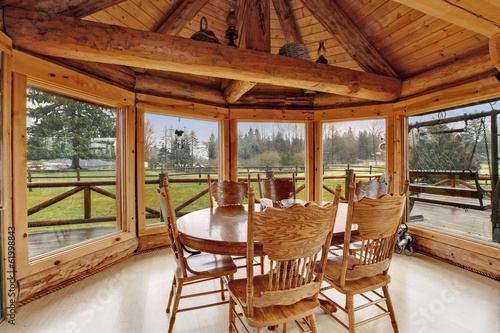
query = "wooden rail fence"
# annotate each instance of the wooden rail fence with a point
(90, 186)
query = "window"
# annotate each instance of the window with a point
(73, 168)
(356, 145)
(276, 147)
(186, 150)
(457, 151)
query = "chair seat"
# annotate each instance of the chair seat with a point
(207, 264)
(352, 286)
(271, 315)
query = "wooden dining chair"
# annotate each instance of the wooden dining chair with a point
(295, 240)
(230, 193)
(276, 189)
(373, 188)
(227, 192)
(191, 269)
(377, 223)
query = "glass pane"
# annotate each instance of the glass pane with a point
(272, 147)
(72, 171)
(451, 170)
(355, 145)
(186, 149)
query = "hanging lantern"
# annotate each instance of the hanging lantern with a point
(204, 34)
(231, 32)
(322, 53)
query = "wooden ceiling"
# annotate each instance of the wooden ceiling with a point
(425, 44)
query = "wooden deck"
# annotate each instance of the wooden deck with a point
(471, 223)
(428, 295)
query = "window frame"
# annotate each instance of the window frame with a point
(29, 70)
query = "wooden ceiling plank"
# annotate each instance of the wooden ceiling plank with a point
(47, 35)
(287, 21)
(348, 35)
(184, 13)
(468, 14)
(76, 8)
(495, 50)
(459, 43)
(390, 32)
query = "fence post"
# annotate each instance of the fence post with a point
(87, 202)
(349, 175)
(78, 174)
(199, 174)
(29, 179)
(162, 175)
(269, 174)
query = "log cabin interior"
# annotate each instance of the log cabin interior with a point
(350, 60)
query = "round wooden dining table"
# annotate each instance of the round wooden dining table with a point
(223, 230)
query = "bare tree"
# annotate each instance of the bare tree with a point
(375, 130)
(150, 148)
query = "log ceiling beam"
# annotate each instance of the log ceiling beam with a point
(287, 21)
(186, 10)
(257, 37)
(75, 8)
(336, 22)
(98, 42)
(495, 50)
(463, 69)
(118, 75)
(187, 91)
(480, 16)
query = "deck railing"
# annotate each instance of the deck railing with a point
(89, 186)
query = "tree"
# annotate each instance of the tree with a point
(150, 148)
(211, 146)
(66, 128)
(375, 130)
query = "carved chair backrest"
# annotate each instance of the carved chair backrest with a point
(228, 192)
(373, 188)
(296, 241)
(277, 189)
(378, 223)
(168, 212)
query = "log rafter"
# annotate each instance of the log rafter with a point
(104, 43)
(336, 22)
(182, 15)
(76, 8)
(495, 50)
(480, 16)
(287, 21)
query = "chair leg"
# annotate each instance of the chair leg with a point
(284, 328)
(313, 324)
(232, 318)
(176, 306)
(222, 289)
(260, 329)
(262, 264)
(350, 312)
(172, 290)
(390, 308)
